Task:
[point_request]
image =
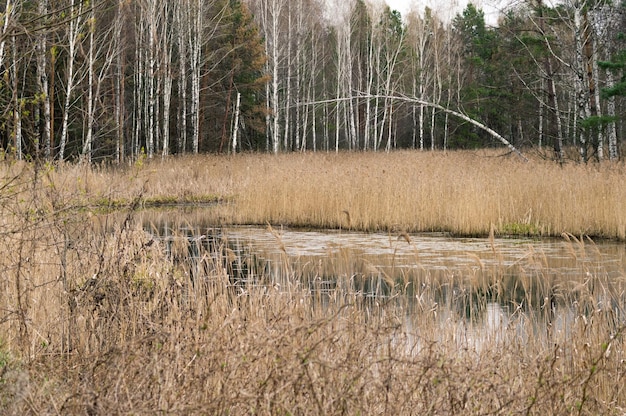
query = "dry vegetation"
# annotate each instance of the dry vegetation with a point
(96, 318)
(460, 192)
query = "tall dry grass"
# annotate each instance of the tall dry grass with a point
(97, 317)
(459, 192)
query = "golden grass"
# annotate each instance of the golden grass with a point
(97, 318)
(459, 192)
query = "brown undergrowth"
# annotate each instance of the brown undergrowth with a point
(99, 317)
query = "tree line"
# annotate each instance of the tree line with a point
(115, 79)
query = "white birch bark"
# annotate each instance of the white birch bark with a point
(276, 10)
(74, 30)
(391, 61)
(167, 45)
(182, 28)
(582, 93)
(104, 53)
(138, 92)
(195, 47)
(541, 111)
(236, 123)
(368, 102)
(17, 103)
(88, 145)
(611, 132)
(288, 83)
(9, 9)
(42, 79)
(119, 85)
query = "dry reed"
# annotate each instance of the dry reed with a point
(465, 193)
(99, 317)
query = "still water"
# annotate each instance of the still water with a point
(488, 285)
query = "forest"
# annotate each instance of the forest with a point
(110, 80)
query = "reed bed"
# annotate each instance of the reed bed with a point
(465, 193)
(97, 316)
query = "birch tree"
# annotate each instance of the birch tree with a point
(75, 31)
(7, 19)
(419, 34)
(43, 82)
(195, 42)
(100, 56)
(271, 14)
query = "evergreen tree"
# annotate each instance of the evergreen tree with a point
(479, 94)
(238, 69)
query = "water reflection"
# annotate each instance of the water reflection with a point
(489, 288)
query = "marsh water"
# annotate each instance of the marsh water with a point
(489, 283)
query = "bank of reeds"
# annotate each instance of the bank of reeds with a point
(459, 192)
(99, 317)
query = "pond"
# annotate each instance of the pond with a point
(485, 286)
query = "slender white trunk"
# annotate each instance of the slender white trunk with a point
(368, 103)
(8, 11)
(73, 34)
(389, 128)
(351, 117)
(168, 80)
(236, 123)
(584, 109)
(105, 55)
(337, 106)
(138, 106)
(17, 106)
(596, 98)
(42, 78)
(433, 115)
(151, 20)
(276, 7)
(611, 131)
(557, 116)
(195, 46)
(541, 111)
(299, 125)
(421, 95)
(286, 139)
(88, 146)
(183, 26)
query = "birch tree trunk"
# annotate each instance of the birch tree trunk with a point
(139, 101)
(120, 85)
(167, 45)
(236, 124)
(182, 30)
(88, 147)
(73, 36)
(17, 103)
(7, 16)
(42, 79)
(102, 52)
(287, 112)
(276, 10)
(611, 132)
(195, 46)
(584, 109)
